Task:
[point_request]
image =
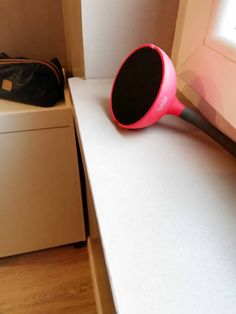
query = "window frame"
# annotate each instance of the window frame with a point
(214, 37)
(205, 76)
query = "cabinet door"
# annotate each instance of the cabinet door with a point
(40, 198)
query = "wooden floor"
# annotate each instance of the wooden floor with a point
(50, 281)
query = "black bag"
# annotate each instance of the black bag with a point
(31, 81)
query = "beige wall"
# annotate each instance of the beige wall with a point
(73, 34)
(32, 28)
(108, 31)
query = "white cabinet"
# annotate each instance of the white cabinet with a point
(161, 205)
(40, 197)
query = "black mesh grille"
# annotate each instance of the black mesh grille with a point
(137, 85)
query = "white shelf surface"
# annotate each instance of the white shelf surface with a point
(165, 200)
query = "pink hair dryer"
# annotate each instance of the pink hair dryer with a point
(144, 90)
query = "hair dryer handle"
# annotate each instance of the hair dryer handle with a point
(204, 125)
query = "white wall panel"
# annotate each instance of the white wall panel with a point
(112, 29)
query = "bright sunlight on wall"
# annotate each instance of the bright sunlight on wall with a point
(222, 28)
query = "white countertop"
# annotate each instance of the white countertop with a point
(165, 199)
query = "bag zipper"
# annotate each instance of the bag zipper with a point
(51, 65)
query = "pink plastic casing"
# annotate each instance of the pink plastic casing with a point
(165, 102)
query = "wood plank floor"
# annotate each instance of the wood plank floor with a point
(51, 281)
